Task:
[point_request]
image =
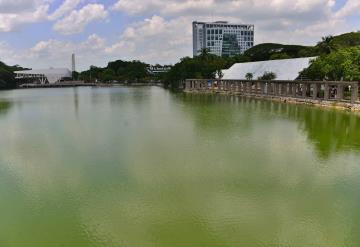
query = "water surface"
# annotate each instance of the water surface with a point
(142, 167)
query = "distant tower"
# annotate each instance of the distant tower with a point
(73, 68)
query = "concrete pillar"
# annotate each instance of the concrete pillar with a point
(281, 92)
(284, 89)
(268, 88)
(290, 89)
(187, 85)
(248, 87)
(236, 86)
(262, 87)
(308, 88)
(275, 89)
(354, 93)
(315, 90)
(278, 89)
(326, 91)
(318, 89)
(340, 92)
(304, 87)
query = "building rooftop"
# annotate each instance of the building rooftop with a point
(53, 74)
(45, 71)
(285, 69)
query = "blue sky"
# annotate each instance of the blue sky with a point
(44, 33)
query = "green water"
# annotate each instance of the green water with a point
(142, 167)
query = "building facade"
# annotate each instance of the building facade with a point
(44, 76)
(222, 38)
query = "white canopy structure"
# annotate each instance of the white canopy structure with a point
(44, 76)
(285, 69)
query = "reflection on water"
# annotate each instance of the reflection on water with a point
(330, 131)
(4, 107)
(144, 167)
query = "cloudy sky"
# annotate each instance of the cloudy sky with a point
(44, 33)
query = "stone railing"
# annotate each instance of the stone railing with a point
(316, 90)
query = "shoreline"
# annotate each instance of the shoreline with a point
(325, 104)
(77, 84)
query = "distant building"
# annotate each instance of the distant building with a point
(222, 38)
(157, 69)
(284, 69)
(44, 76)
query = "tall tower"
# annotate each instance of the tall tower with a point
(73, 68)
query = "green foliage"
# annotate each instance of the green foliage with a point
(249, 76)
(203, 66)
(270, 51)
(278, 56)
(7, 76)
(119, 70)
(268, 76)
(343, 64)
(326, 46)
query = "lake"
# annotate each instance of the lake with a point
(143, 167)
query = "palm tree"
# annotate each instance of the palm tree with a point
(219, 74)
(326, 45)
(204, 52)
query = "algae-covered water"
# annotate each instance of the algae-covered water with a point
(142, 167)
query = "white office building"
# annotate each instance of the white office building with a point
(222, 38)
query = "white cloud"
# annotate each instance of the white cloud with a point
(78, 19)
(18, 6)
(350, 8)
(11, 21)
(66, 7)
(227, 8)
(57, 53)
(155, 40)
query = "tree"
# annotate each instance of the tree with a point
(130, 71)
(219, 74)
(268, 76)
(249, 76)
(204, 52)
(343, 64)
(7, 76)
(326, 45)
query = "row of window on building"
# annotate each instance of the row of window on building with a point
(220, 37)
(214, 43)
(220, 31)
(229, 26)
